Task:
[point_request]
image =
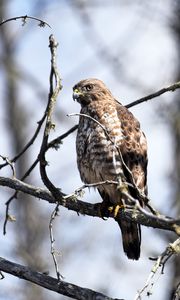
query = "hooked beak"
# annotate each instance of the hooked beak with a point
(76, 94)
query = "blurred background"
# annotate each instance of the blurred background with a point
(134, 47)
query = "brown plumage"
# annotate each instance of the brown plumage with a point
(98, 147)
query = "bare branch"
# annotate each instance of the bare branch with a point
(10, 163)
(71, 202)
(170, 88)
(24, 18)
(53, 94)
(50, 283)
(172, 249)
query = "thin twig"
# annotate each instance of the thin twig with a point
(10, 163)
(171, 249)
(78, 191)
(7, 215)
(24, 18)
(52, 240)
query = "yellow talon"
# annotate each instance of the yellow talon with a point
(115, 209)
(104, 212)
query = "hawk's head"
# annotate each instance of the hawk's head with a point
(89, 90)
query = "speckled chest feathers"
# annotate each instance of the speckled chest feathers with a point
(98, 136)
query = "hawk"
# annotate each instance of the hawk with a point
(111, 146)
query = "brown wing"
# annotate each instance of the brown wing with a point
(133, 148)
(134, 153)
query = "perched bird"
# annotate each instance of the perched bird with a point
(111, 146)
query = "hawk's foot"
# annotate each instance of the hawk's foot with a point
(115, 209)
(104, 210)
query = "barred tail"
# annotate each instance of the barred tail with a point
(131, 238)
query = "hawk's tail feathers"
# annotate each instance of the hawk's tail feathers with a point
(131, 238)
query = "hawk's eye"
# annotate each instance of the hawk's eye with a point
(88, 87)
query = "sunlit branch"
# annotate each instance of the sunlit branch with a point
(71, 202)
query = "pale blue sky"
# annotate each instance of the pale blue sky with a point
(145, 48)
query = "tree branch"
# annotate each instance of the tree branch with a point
(50, 283)
(72, 203)
(53, 94)
(55, 87)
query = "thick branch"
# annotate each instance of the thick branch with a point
(50, 283)
(72, 203)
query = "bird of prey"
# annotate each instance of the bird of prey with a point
(111, 147)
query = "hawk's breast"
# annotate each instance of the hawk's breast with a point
(97, 144)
